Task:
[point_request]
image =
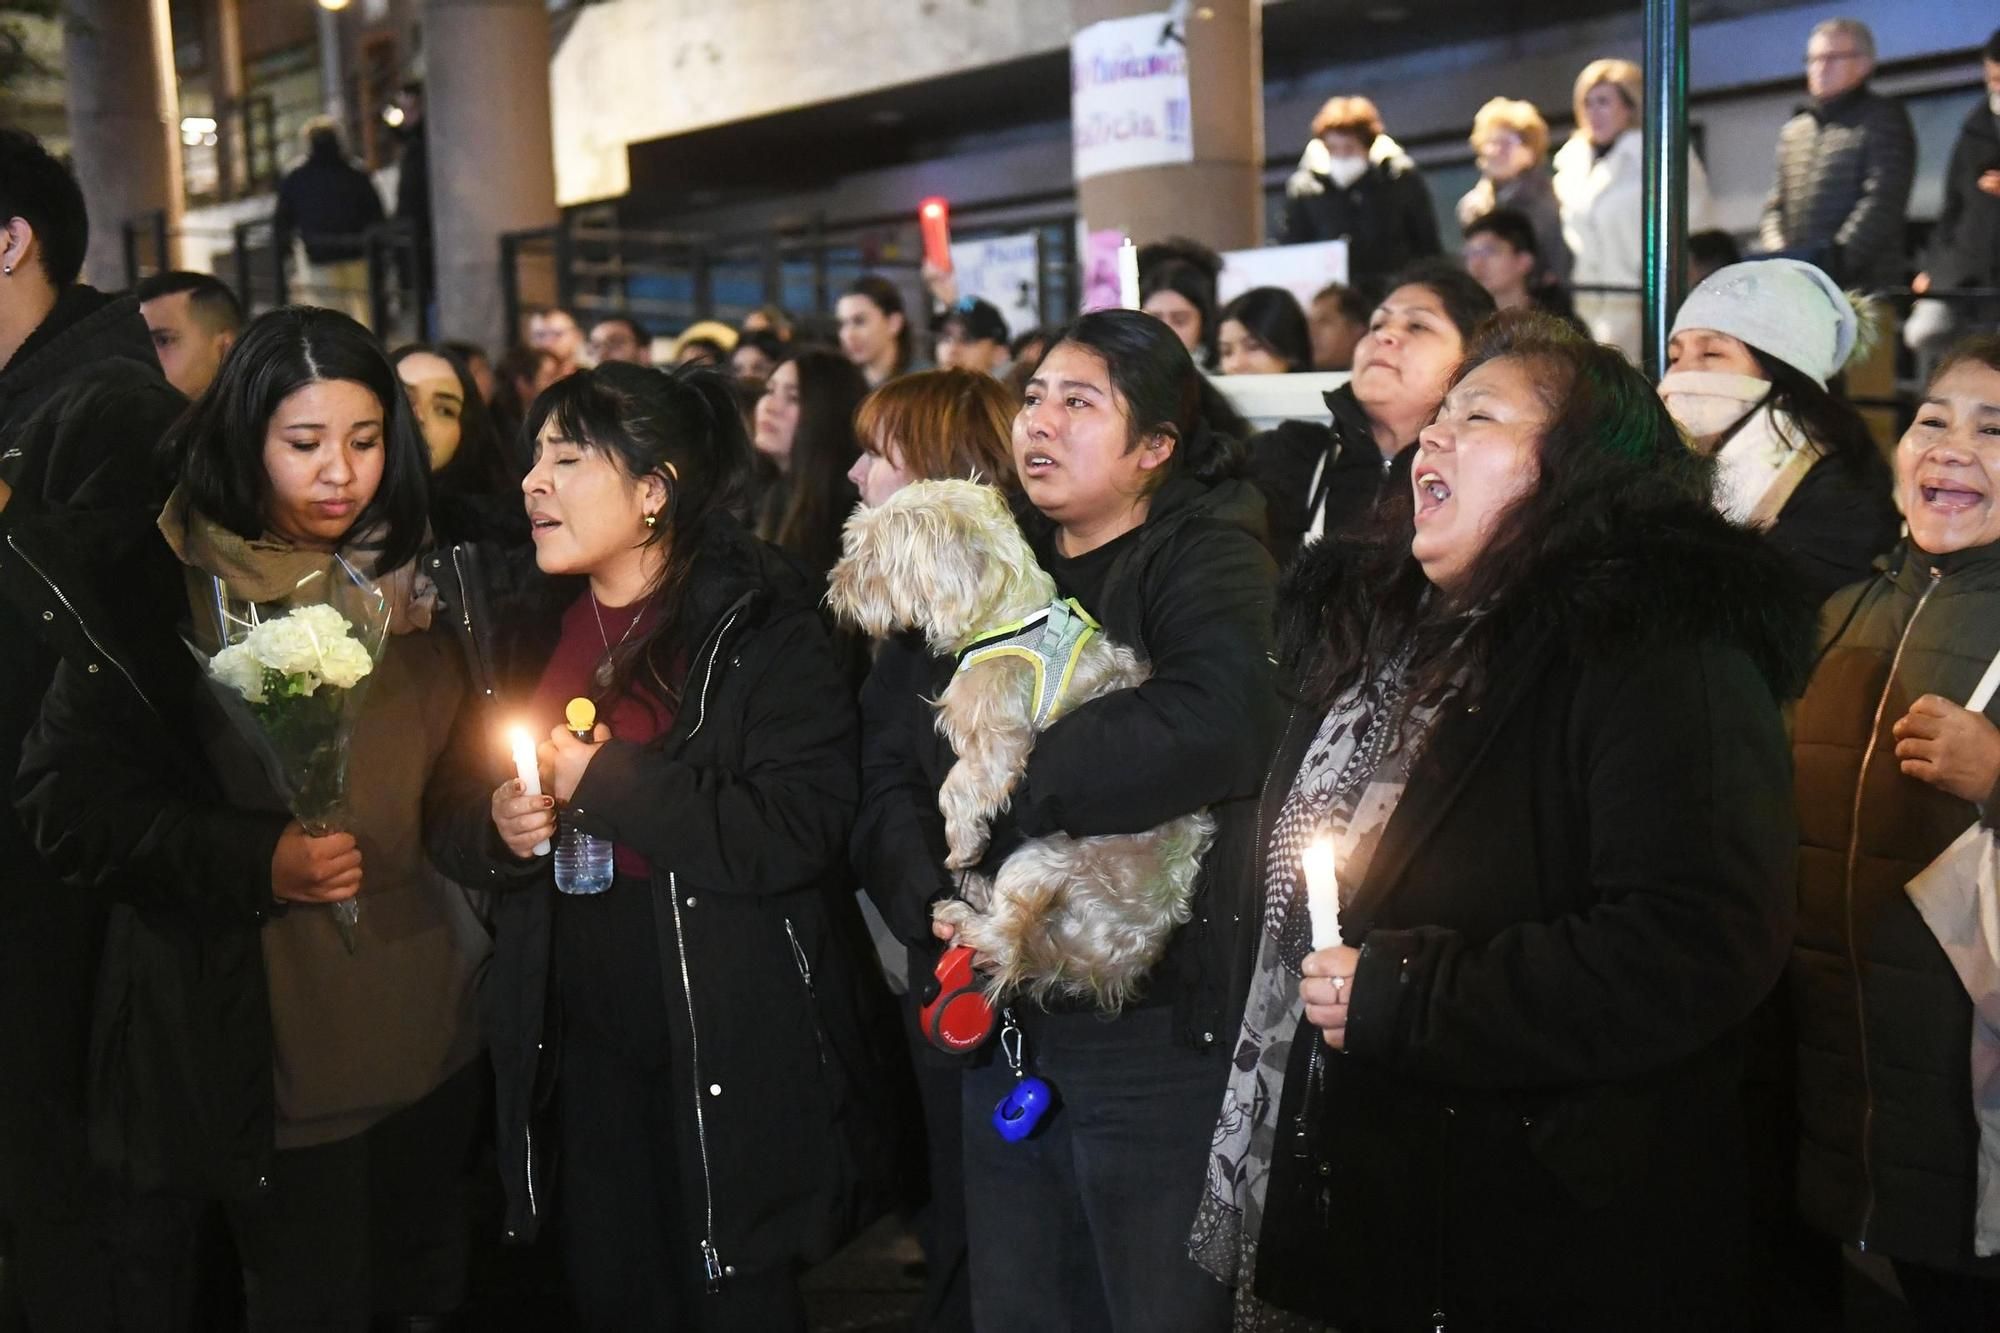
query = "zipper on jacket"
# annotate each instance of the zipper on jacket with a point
(529, 1163)
(81, 624)
(1443, 1205)
(812, 996)
(1853, 950)
(711, 1258)
(708, 674)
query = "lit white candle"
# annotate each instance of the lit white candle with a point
(1322, 892)
(528, 771)
(1128, 275)
(1982, 693)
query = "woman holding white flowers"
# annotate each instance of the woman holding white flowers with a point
(316, 1075)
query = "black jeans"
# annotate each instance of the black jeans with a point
(376, 1224)
(1085, 1225)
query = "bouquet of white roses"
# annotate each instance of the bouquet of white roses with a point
(292, 676)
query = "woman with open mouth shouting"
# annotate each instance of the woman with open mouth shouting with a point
(1891, 769)
(1538, 732)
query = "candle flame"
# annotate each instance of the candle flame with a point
(519, 739)
(1319, 863)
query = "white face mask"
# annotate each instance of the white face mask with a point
(1709, 402)
(1346, 170)
(1993, 103)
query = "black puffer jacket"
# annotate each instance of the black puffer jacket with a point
(1965, 247)
(742, 809)
(1192, 594)
(1836, 524)
(1386, 217)
(1304, 468)
(1889, 1157)
(1843, 188)
(1583, 893)
(82, 408)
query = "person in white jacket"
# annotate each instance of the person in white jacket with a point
(1600, 183)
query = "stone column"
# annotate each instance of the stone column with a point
(492, 159)
(124, 127)
(1218, 198)
(224, 42)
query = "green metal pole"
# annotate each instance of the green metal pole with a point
(1666, 174)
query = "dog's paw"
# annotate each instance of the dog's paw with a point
(965, 841)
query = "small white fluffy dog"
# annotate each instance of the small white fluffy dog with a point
(1081, 917)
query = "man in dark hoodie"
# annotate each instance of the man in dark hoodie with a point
(329, 204)
(82, 407)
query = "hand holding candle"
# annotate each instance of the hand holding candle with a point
(529, 771)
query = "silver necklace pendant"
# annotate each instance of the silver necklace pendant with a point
(603, 674)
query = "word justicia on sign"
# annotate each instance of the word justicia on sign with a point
(1101, 129)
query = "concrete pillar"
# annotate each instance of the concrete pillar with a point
(1218, 198)
(492, 159)
(124, 127)
(224, 43)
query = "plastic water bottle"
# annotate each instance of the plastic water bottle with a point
(583, 862)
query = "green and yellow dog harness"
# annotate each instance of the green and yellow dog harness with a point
(1051, 640)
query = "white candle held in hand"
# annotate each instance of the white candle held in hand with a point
(1128, 275)
(1322, 892)
(528, 771)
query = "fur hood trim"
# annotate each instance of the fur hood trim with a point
(1665, 577)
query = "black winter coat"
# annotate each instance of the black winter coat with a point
(329, 203)
(1192, 594)
(1302, 467)
(1584, 892)
(1889, 1147)
(1965, 247)
(1386, 217)
(1835, 525)
(742, 809)
(82, 407)
(1843, 188)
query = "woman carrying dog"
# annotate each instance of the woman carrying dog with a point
(1538, 726)
(1133, 508)
(680, 1058)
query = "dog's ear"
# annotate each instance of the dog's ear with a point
(855, 586)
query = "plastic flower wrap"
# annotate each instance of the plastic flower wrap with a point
(291, 673)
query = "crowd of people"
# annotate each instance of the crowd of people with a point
(1644, 728)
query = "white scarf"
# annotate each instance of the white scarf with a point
(1764, 456)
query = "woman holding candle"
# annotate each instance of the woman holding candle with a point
(1133, 509)
(1538, 724)
(327, 1098)
(1892, 767)
(680, 1058)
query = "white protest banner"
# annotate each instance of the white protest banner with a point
(1301, 270)
(1005, 270)
(1128, 97)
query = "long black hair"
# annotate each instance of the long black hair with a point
(217, 447)
(802, 509)
(683, 426)
(1163, 391)
(1272, 316)
(885, 297)
(1828, 421)
(1611, 461)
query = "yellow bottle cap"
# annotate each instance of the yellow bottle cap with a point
(580, 714)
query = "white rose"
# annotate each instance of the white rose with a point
(344, 662)
(238, 668)
(285, 645)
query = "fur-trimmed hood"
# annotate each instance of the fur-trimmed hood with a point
(1666, 576)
